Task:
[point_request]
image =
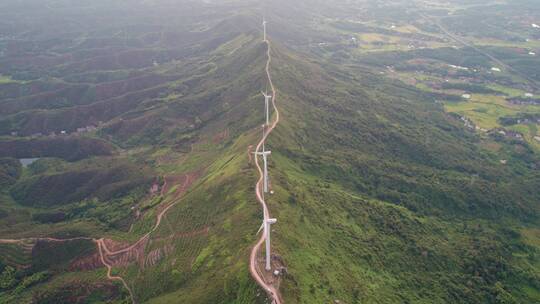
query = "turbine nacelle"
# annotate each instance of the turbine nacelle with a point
(269, 222)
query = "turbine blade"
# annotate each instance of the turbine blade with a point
(261, 228)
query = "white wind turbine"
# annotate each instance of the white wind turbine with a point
(266, 227)
(266, 106)
(264, 29)
(264, 155)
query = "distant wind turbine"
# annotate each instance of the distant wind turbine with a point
(264, 30)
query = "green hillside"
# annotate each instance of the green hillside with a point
(127, 131)
(383, 198)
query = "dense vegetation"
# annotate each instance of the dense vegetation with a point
(404, 187)
(386, 189)
(71, 149)
(10, 171)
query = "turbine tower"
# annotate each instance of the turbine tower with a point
(266, 106)
(267, 228)
(264, 30)
(264, 154)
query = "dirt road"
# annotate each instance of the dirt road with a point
(104, 251)
(101, 244)
(270, 290)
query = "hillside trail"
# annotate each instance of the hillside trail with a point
(100, 244)
(272, 292)
(103, 250)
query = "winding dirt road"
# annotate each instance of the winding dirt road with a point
(272, 292)
(101, 245)
(103, 250)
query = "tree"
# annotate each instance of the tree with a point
(7, 278)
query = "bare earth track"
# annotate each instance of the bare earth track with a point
(110, 257)
(254, 269)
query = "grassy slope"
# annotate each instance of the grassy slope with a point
(210, 267)
(380, 197)
(383, 199)
(213, 268)
(224, 98)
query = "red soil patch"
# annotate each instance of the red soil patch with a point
(120, 254)
(156, 255)
(113, 245)
(89, 262)
(124, 257)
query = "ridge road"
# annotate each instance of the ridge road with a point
(270, 290)
(104, 251)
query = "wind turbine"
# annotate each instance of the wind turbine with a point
(264, 30)
(265, 154)
(266, 230)
(266, 106)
